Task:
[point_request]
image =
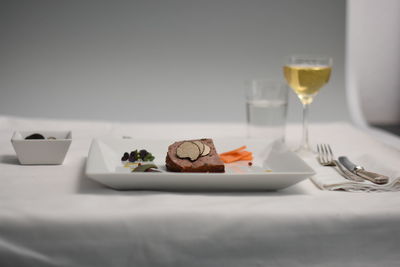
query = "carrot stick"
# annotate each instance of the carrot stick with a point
(229, 160)
(236, 155)
(244, 155)
(231, 157)
(234, 151)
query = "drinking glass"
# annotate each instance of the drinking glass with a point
(306, 75)
(266, 109)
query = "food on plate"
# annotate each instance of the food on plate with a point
(145, 168)
(200, 145)
(125, 157)
(236, 155)
(194, 156)
(38, 136)
(206, 151)
(192, 150)
(137, 156)
(35, 136)
(133, 156)
(188, 150)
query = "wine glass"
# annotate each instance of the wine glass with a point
(306, 75)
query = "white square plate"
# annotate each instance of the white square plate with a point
(274, 167)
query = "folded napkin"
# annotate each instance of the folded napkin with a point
(327, 178)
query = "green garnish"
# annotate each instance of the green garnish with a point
(148, 157)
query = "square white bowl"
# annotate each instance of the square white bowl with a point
(41, 151)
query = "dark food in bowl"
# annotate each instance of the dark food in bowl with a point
(38, 136)
(35, 136)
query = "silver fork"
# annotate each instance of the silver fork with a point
(326, 158)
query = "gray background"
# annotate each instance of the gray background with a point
(173, 60)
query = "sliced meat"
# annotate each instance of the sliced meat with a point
(208, 163)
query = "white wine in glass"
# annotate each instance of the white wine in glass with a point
(306, 75)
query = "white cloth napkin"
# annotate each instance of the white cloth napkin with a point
(327, 178)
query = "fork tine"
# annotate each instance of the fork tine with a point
(330, 152)
(325, 154)
(321, 158)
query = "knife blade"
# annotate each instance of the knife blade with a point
(360, 171)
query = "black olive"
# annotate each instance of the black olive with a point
(133, 156)
(34, 136)
(125, 157)
(143, 153)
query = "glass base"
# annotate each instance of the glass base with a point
(305, 151)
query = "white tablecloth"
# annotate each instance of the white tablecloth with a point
(55, 216)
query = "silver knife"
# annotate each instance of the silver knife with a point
(359, 170)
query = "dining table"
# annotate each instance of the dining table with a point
(54, 215)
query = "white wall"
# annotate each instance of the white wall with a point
(373, 40)
(174, 60)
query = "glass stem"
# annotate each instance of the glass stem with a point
(304, 140)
